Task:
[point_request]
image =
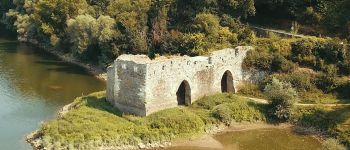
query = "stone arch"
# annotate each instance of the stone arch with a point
(184, 93)
(227, 83)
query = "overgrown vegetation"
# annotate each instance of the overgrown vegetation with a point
(99, 31)
(316, 67)
(92, 122)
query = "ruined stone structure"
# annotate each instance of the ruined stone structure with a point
(141, 86)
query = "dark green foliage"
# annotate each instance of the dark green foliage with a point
(337, 19)
(301, 81)
(281, 64)
(260, 60)
(332, 16)
(318, 53)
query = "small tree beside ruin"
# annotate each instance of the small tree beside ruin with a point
(282, 98)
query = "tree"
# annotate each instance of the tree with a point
(132, 18)
(282, 98)
(81, 31)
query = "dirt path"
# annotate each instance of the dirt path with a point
(264, 101)
(280, 32)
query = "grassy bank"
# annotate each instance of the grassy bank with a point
(334, 121)
(92, 122)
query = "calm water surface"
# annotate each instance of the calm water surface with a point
(34, 85)
(262, 139)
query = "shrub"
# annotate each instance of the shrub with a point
(250, 89)
(176, 122)
(209, 102)
(332, 144)
(299, 80)
(282, 98)
(281, 64)
(228, 107)
(303, 51)
(327, 81)
(223, 113)
(260, 60)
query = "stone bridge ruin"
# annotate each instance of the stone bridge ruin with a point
(141, 86)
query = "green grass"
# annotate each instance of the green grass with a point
(92, 122)
(318, 97)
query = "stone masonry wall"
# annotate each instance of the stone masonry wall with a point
(141, 86)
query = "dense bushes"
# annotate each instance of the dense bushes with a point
(283, 55)
(313, 66)
(318, 53)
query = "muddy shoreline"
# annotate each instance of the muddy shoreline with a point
(208, 141)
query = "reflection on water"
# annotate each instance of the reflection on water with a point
(262, 139)
(33, 86)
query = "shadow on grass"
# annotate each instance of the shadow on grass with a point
(264, 109)
(101, 104)
(334, 123)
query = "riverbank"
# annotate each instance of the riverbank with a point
(95, 70)
(90, 122)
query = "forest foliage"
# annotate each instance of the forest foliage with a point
(333, 16)
(101, 30)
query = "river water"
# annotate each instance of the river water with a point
(259, 139)
(34, 85)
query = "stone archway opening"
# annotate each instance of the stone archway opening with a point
(184, 94)
(227, 83)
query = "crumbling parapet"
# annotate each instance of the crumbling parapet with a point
(141, 86)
